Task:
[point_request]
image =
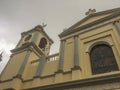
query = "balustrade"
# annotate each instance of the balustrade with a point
(53, 57)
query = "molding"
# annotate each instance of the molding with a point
(64, 72)
(2, 81)
(47, 76)
(93, 15)
(117, 25)
(80, 83)
(27, 80)
(59, 71)
(76, 68)
(27, 49)
(20, 48)
(89, 29)
(116, 21)
(40, 29)
(38, 77)
(9, 89)
(27, 46)
(98, 42)
(71, 31)
(35, 60)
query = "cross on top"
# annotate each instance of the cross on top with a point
(44, 25)
(90, 11)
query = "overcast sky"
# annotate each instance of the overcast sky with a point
(17, 16)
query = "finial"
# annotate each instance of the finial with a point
(41, 26)
(64, 29)
(1, 56)
(90, 11)
(44, 25)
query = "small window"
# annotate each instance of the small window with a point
(28, 37)
(102, 59)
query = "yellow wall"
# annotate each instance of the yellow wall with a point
(50, 68)
(31, 66)
(86, 39)
(11, 70)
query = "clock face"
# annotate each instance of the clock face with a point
(43, 43)
(28, 37)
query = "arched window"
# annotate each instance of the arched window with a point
(102, 59)
(43, 43)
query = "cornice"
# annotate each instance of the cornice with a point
(40, 29)
(79, 83)
(27, 46)
(93, 15)
(71, 30)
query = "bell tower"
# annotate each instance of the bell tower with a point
(38, 37)
(25, 58)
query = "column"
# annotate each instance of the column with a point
(21, 70)
(76, 52)
(61, 57)
(59, 74)
(40, 66)
(76, 73)
(117, 25)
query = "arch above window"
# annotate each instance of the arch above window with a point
(98, 42)
(102, 59)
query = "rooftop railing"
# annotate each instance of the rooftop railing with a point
(53, 57)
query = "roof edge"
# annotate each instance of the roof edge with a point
(89, 16)
(40, 29)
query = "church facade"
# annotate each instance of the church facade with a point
(88, 59)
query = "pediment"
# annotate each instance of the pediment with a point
(90, 19)
(94, 17)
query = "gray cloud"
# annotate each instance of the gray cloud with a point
(17, 16)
